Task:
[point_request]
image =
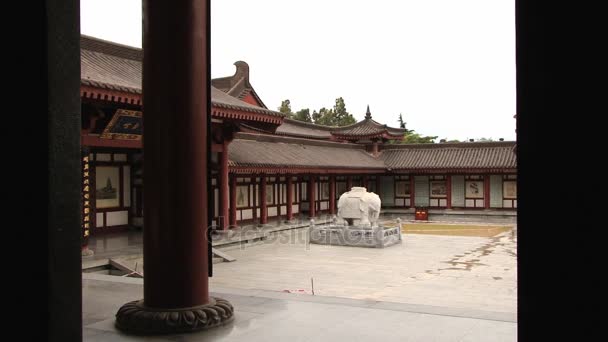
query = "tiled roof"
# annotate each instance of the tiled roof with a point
(252, 150)
(237, 85)
(109, 65)
(107, 71)
(302, 129)
(362, 130)
(110, 48)
(368, 128)
(473, 155)
(223, 100)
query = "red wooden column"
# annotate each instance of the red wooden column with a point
(449, 196)
(223, 188)
(332, 195)
(486, 191)
(177, 106)
(255, 198)
(233, 201)
(349, 183)
(412, 192)
(311, 196)
(263, 207)
(289, 197)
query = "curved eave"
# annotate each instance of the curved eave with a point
(102, 85)
(383, 134)
(455, 170)
(254, 169)
(316, 137)
(220, 110)
(244, 128)
(110, 94)
(368, 122)
(105, 92)
(349, 127)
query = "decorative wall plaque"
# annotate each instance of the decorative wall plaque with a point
(125, 124)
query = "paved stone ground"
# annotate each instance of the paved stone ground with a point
(430, 288)
(276, 316)
(447, 271)
(441, 270)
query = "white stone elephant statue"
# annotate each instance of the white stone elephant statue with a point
(359, 207)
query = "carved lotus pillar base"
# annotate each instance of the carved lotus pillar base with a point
(135, 318)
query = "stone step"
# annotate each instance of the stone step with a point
(222, 255)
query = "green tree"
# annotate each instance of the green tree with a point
(401, 122)
(303, 115)
(341, 116)
(415, 138)
(326, 117)
(337, 116)
(285, 108)
(315, 116)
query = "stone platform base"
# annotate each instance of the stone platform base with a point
(352, 236)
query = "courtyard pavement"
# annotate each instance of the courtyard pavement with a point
(455, 271)
(429, 288)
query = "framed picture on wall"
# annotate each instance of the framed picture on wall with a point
(402, 189)
(438, 188)
(242, 198)
(107, 186)
(269, 194)
(509, 189)
(474, 189)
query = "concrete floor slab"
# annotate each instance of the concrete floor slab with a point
(296, 317)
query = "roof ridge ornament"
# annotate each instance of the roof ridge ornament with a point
(368, 114)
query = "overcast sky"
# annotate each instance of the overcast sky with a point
(447, 66)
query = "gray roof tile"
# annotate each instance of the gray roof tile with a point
(254, 150)
(482, 155)
(113, 66)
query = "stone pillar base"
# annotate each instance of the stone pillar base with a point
(135, 318)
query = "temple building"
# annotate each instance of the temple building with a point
(266, 166)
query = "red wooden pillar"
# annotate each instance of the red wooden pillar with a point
(263, 207)
(176, 212)
(311, 196)
(289, 197)
(223, 188)
(486, 191)
(255, 198)
(449, 189)
(412, 192)
(233, 201)
(332, 195)
(349, 183)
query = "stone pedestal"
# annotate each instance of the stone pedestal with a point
(342, 235)
(138, 319)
